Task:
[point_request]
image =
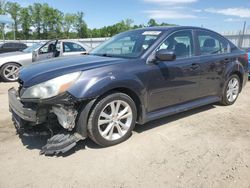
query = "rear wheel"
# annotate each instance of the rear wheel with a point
(231, 91)
(112, 119)
(9, 72)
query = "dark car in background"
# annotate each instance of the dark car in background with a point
(135, 77)
(12, 47)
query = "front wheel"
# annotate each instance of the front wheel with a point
(231, 91)
(112, 119)
(9, 72)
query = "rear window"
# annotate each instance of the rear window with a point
(211, 43)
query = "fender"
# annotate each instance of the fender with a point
(233, 67)
(94, 87)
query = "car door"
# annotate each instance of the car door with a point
(47, 51)
(72, 48)
(213, 51)
(174, 82)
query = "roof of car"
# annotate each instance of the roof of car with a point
(167, 28)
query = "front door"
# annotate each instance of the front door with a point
(47, 51)
(174, 82)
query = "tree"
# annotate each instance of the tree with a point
(81, 26)
(14, 10)
(36, 10)
(152, 23)
(25, 21)
(2, 7)
(69, 23)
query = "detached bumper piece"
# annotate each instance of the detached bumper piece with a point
(35, 120)
(60, 143)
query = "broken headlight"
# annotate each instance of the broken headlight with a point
(51, 87)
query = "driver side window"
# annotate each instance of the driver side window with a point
(181, 43)
(48, 48)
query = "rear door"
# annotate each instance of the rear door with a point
(175, 82)
(72, 48)
(214, 54)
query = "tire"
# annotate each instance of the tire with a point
(9, 72)
(230, 92)
(105, 126)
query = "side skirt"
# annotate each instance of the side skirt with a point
(180, 108)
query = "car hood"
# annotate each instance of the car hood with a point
(45, 70)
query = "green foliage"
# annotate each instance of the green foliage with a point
(25, 21)
(40, 21)
(81, 26)
(2, 7)
(14, 10)
(69, 24)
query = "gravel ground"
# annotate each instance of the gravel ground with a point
(205, 147)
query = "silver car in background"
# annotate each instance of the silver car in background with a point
(11, 62)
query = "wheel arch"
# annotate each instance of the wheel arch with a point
(81, 127)
(240, 75)
(11, 62)
(234, 68)
(132, 94)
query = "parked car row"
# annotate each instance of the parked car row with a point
(135, 77)
(11, 62)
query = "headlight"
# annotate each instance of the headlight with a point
(51, 87)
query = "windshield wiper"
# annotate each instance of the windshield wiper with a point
(104, 55)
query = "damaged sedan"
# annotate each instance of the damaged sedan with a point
(135, 77)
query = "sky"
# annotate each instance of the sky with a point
(219, 15)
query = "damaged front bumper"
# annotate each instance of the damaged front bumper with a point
(57, 116)
(25, 116)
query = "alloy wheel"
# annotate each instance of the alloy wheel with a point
(10, 72)
(115, 120)
(233, 89)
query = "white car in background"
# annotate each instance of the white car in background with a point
(11, 62)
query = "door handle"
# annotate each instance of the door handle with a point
(195, 66)
(226, 60)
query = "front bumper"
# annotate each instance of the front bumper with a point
(22, 114)
(32, 119)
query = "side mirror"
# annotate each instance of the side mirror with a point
(165, 55)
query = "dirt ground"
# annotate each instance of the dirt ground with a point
(205, 147)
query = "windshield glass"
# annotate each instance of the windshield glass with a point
(130, 44)
(32, 48)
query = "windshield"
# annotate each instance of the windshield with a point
(130, 44)
(32, 48)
